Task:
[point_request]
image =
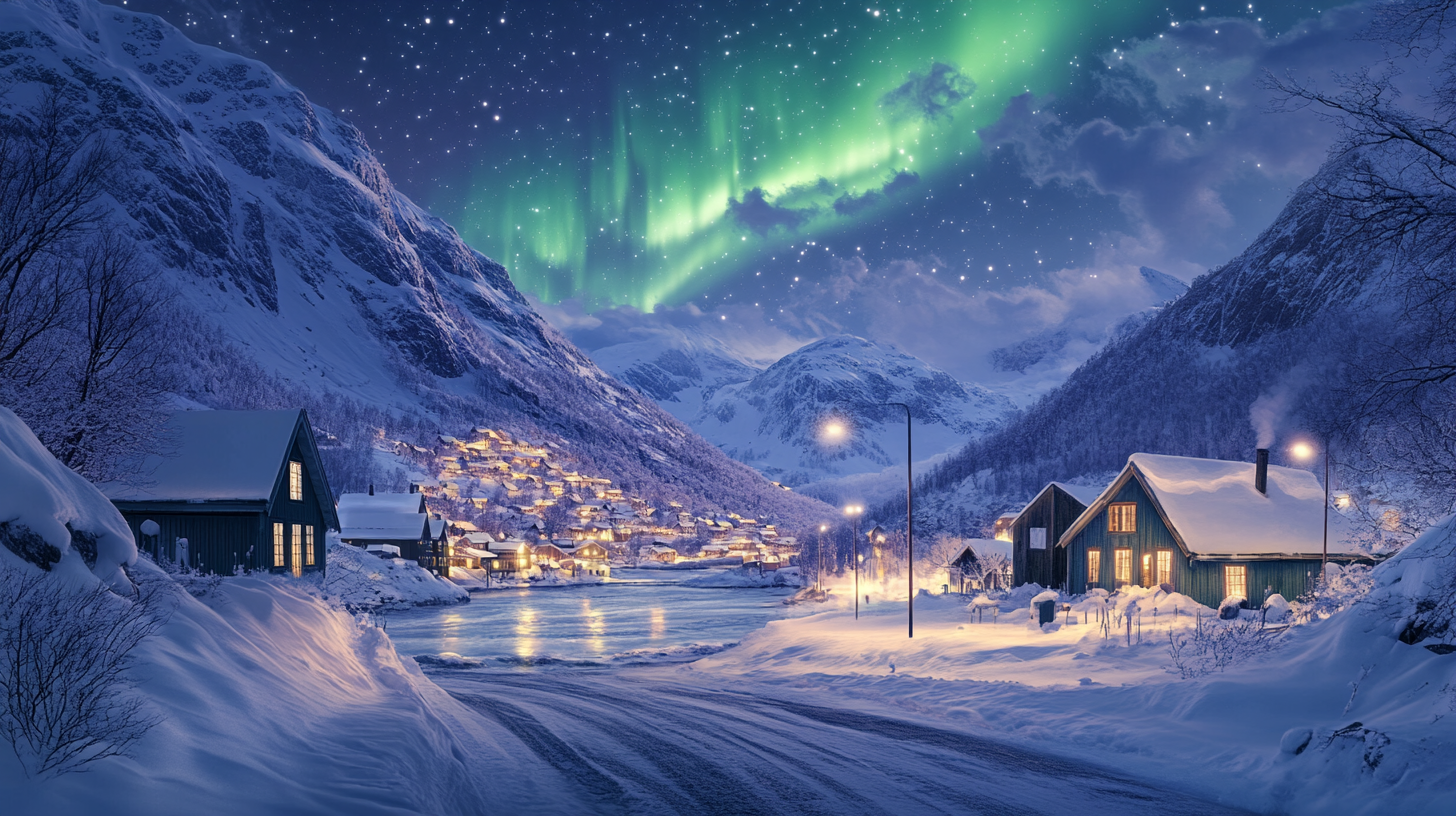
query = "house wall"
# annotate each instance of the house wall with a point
(217, 542)
(1056, 511)
(1203, 581)
(308, 512)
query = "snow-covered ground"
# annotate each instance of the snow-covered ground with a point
(363, 581)
(746, 577)
(476, 580)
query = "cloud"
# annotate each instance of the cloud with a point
(848, 204)
(930, 95)
(1195, 157)
(756, 213)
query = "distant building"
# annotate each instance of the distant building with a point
(245, 489)
(1036, 529)
(397, 519)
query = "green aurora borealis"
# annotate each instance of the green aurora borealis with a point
(634, 209)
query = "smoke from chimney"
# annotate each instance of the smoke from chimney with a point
(1261, 470)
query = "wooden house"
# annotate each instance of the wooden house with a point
(245, 489)
(398, 519)
(1037, 528)
(1207, 529)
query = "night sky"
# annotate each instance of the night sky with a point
(662, 153)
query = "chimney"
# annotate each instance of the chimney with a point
(371, 490)
(1261, 470)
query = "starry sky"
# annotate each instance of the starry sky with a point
(717, 155)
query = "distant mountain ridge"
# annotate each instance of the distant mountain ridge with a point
(1278, 319)
(277, 226)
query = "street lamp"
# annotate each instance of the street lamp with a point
(1304, 452)
(836, 430)
(819, 567)
(854, 511)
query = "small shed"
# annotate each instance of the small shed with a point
(245, 489)
(1205, 528)
(398, 519)
(1037, 528)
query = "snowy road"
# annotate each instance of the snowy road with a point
(641, 743)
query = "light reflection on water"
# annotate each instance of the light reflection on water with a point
(610, 624)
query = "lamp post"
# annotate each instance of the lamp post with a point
(1303, 450)
(819, 565)
(835, 431)
(854, 511)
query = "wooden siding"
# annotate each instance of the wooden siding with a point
(222, 536)
(1200, 580)
(1055, 510)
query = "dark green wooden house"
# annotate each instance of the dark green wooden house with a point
(1035, 530)
(1205, 528)
(230, 491)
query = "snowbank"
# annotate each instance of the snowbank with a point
(362, 581)
(1335, 716)
(747, 577)
(53, 518)
(476, 580)
(692, 563)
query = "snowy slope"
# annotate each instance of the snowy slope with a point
(277, 225)
(679, 370)
(774, 421)
(1277, 322)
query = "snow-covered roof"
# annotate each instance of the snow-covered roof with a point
(385, 525)
(986, 546)
(396, 502)
(214, 456)
(437, 527)
(479, 538)
(1213, 508)
(1082, 493)
(474, 553)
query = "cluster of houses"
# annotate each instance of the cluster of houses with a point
(236, 491)
(1207, 528)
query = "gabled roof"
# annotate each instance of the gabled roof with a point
(1082, 493)
(382, 525)
(1212, 509)
(396, 502)
(226, 456)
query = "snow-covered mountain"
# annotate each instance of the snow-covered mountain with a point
(677, 369)
(282, 234)
(774, 421)
(1277, 326)
(1052, 345)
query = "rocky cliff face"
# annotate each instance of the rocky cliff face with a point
(278, 226)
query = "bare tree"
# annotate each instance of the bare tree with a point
(64, 658)
(52, 175)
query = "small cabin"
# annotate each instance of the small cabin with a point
(398, 519)
(1208, 528)
(1037, 528)
(231, 490)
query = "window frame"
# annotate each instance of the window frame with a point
(1164, 563)
(278, 544)
(295, 480)
(1031, 538)
(1114, 515)
(1094, 566)
(295, 551)
(1122, 566)
(308, 557)
(1243, 578)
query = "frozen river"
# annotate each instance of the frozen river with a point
(642, 616)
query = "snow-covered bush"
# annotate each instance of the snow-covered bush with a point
(1415, 591)
(1215, 645)
(1342, 587)
(64, 655)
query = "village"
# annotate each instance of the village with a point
(499, 511)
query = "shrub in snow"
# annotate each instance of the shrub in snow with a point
(1229, 608)
(1215, 645)
(64, 655)
(1275, 608)
(1342, 587)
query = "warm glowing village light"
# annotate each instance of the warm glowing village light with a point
(834, 431)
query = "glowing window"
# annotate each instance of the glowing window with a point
(308, 545)
(277, 544)
(1094, 566)
(1165, 566)
(1122, 566)
(297, 561)
(1235, 581)
(295, 481)
(1122, 517)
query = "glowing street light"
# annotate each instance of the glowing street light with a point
(854, 511)
(834, 431)
(1304, 451)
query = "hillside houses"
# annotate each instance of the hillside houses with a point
(518, 487)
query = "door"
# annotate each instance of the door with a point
(297, 563)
